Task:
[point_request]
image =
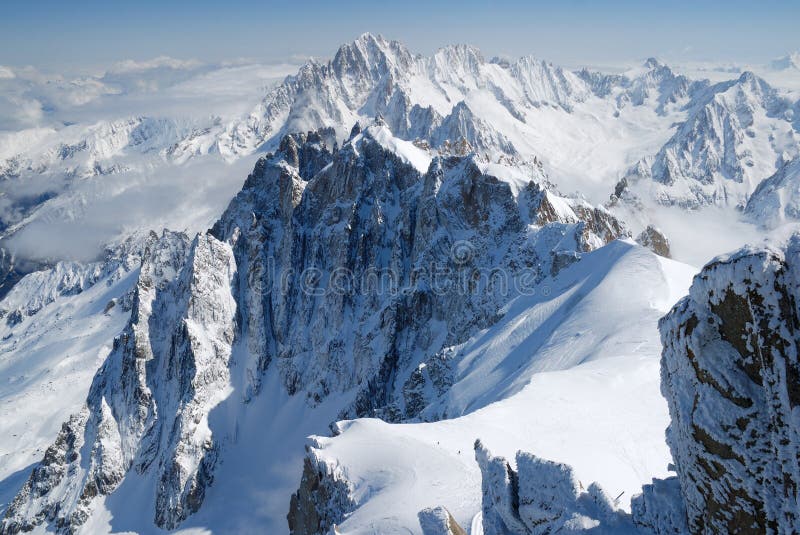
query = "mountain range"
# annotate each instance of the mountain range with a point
(435, 264)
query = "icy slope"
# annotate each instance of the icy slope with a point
(598, 409)
(559, 328)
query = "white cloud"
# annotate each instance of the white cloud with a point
(161, 86)
(41, 112)
(107, 208)
(20, 112)
(130, 65)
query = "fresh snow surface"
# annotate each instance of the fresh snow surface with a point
(405, 150)
(572, 377)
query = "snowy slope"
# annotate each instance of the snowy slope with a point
(567, 384)
(49, 351)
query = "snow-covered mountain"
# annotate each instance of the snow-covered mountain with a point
(736, 135)
(429, 270)
(588, 399)
(776, 200)
(416, 96)
(668, 139)
(730, 373)
(430, 252)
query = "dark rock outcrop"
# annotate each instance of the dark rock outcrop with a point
(654, 239)
(322, 500)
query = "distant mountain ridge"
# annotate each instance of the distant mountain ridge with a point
(715, 143)
(212, 315)
(412, 261)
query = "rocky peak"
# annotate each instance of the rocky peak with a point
(545, 83)
(462, 127)
(776, 200)
(654, 239)
(652, 63)
(457, 64)
(660, 82)
(711, 158)
(141, 378)
(749, 93)
(602, 84)
(730, 373)
(370, 57)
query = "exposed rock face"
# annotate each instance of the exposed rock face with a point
(538, 497)
(657, 81)
(654, 239)
(439, 521)
(148, 405)
(348, 271)
(322, 499)
(660, 508)
(406, 248)
(731, 376)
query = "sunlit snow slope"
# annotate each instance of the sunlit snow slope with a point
(572, 377)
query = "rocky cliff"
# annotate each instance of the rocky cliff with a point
(731, 376)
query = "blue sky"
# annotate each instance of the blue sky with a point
(60, 34)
